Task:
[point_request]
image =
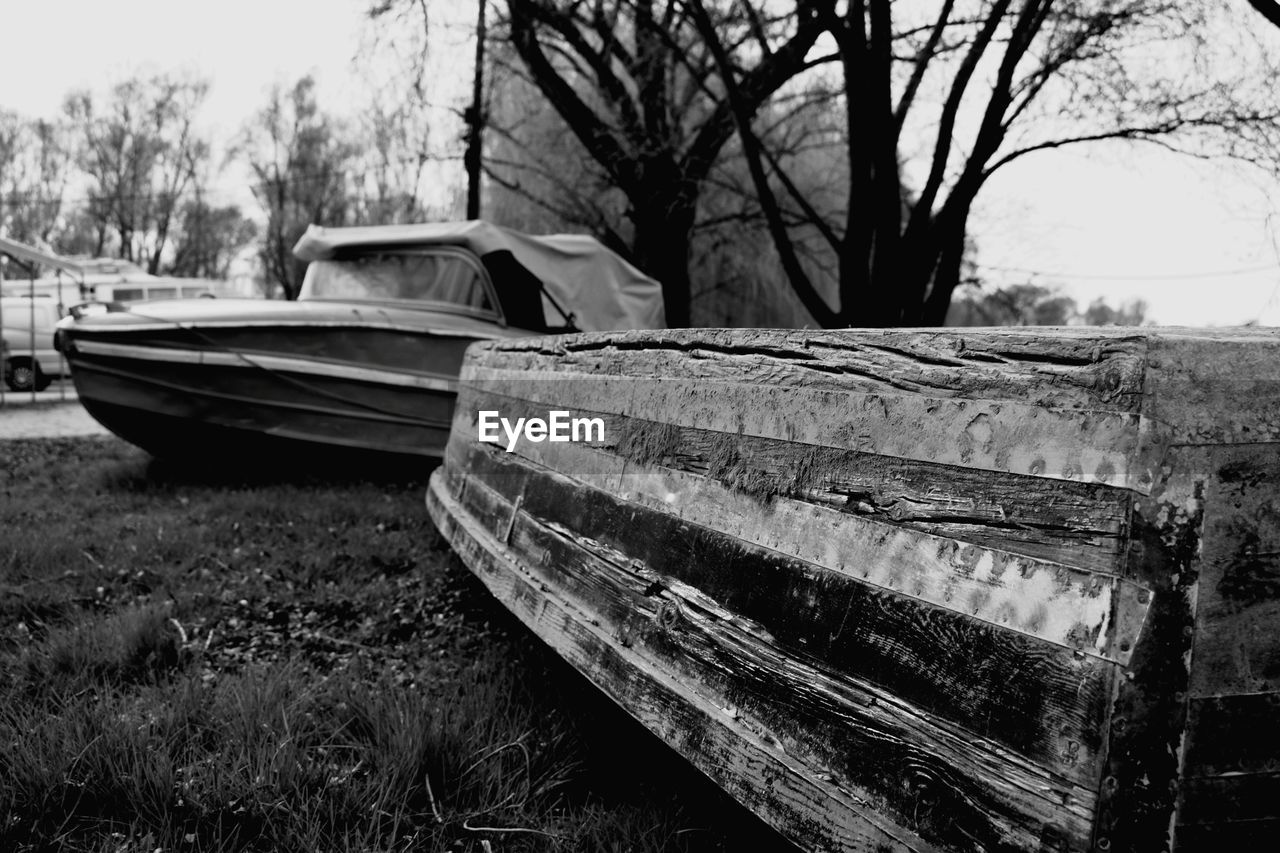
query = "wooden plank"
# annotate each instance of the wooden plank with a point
(1115, 448)
(781, 498)
(809, 810)
(1231, 735)
(1095, 369)
(1237, 646)
(1077, 524)
(1002, 401)
(1217, 387)
(1137, 802)
(1044, 701)
(1228, 836)
(1060, 604)
(1232, 741)
(976, 794)
(1220, 800)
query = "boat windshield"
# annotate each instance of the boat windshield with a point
(444, 277)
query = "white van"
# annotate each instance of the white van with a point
(101, 288)
(144, 290)
(27, 366)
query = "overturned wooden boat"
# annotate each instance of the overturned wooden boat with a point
(980, 590)
(364, 363)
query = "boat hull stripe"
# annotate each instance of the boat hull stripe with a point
(262, 361)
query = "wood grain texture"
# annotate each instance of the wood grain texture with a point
(1042, 700)
(1237, 647)
(1231, 760)
(1007, 589)
(1090, 369)
(1219, 837)
(1222, 800)
(1218, 388)
(1138, 793)
(848, 733)
(1070, 607)
(1116, 448)
(1078, 524)
(1233, 736)
(1062, 408)
(736, 755)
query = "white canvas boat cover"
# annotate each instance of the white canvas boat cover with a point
(83, 272)
(40, 257)
(603, 291)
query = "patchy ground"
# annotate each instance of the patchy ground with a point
(56, 413)
(232, 661)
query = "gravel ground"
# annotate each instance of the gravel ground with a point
(50, 416)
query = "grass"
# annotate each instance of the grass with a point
(221, 661)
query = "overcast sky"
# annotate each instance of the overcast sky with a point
(243, 46)
(1196, 240)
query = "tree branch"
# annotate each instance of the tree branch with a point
(581, 119)
(1268, 9)
(741, 110)
(755, 86)
(926, 56)
(951, 110)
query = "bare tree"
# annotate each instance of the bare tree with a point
(208, 239)
(987, 82)
(473, 159)
(908, 109)
(404, 152)
(540, 177)
(302, 166)
(141, 154)
(390, 165)
(34, 167)
(629, 80)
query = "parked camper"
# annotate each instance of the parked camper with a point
(114, 289)
(28, 325)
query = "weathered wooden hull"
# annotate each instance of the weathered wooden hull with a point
(213, 379)
(981, 590)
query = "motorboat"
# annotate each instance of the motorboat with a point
(364, 361)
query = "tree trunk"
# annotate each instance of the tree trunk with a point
(946, 277)
(661, 249)
(473, 157)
